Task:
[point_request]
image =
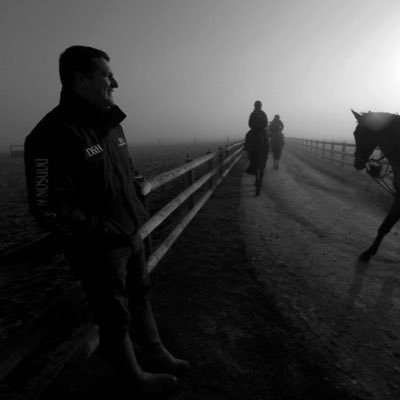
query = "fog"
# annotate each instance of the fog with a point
(193, 68)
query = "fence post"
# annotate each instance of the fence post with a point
(226, 154)
(210, 165)
(323, 149)
(343, 153)
(189, 182)
(220, 160)
(332, 147)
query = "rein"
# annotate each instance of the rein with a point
(374, 168)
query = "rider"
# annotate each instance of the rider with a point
(258, 122)
(258, 119)
(277, 139)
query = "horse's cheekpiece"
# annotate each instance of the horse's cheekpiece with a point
(374, 170)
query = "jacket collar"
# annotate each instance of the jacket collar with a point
(78, 108)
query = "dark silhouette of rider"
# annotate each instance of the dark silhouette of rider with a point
(258, 119)
(256, 142)
(277, 139)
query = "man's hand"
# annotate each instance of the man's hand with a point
(145, 187)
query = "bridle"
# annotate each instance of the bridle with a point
(374, 169)
(378, 169)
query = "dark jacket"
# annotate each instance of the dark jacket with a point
(258, 119)
(276, 125)
(79, 174)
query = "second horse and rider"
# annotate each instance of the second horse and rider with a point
(259, 139)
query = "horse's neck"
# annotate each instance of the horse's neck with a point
(389, 143)
(391, 150)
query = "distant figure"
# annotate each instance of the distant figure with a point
(81, 187)
(257, 145)
(258, 119)
(277, 139)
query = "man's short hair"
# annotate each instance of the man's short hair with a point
(257, 104)
(78, 58)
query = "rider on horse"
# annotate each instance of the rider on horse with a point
(256, 142)
(277, 139)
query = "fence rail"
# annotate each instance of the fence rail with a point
(16, 150)
(218, 165)
(340, 152)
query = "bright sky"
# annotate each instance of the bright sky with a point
(193, 68)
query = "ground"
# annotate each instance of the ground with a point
(265, 296)
(315, 218)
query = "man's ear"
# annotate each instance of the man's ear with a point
(80, 79)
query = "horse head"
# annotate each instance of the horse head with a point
(366, 136)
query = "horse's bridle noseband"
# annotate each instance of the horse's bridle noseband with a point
(374, 167)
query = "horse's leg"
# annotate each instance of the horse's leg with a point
(278, 158)
(387, 224)
(261, 169)
(258, 181)
(275, 161)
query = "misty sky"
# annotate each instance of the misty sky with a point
(193, 68)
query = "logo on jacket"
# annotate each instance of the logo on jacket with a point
(93, 150)
(42, 181)
(121, 142)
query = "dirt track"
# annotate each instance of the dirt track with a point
(265, 297)
(316, 219)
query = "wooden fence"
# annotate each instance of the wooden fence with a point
(337, 152)
(84, 340)
(16, 150)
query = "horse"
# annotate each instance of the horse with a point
(257, 146)
(379, 130)
(277, 142)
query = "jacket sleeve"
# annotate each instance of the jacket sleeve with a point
(137, 186)
(50, 170)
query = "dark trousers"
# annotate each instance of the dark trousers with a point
(115, 280)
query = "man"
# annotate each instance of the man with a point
(277, 139)
(81, 187)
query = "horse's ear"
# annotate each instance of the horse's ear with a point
(356, 115)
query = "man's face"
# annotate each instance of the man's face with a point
(99, 85)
